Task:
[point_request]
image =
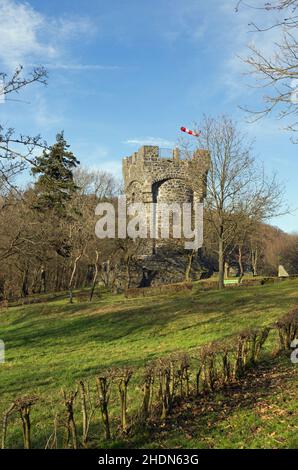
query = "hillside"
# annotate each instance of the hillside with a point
(53, 345)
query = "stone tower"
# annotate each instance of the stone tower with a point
(149, 178)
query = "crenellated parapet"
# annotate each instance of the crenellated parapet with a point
(145, 170)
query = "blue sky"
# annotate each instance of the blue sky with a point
(125, 73)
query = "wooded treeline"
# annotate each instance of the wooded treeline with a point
(42, 252)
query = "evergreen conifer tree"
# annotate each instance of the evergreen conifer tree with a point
(55, 185)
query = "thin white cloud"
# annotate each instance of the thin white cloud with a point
(112, 166)
(94, 153)
(185, 21)
(20, 25)
(72, 27)
(27, 35)
(159, 141)
(80, 67)
(97, 157)
(45, 118)
(269, 128)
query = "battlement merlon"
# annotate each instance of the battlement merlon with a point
(150, 153)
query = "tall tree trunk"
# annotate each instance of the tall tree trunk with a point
(254, 261)
(240, 262)
(221, 264)
(95, 275)
(58, 272)
(25, 283)
(189, 265)
(34, 282)
(42, 280)
(70, 285)
(62, 283)
(227, 270)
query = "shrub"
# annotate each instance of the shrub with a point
(288, 328)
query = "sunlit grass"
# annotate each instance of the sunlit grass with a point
(52, 345)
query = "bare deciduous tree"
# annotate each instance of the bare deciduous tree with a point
(16, 151)
(237, 188)
(277, 72)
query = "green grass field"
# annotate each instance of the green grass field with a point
(53, 345)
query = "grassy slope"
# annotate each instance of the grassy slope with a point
(262, 412)
(52, 345)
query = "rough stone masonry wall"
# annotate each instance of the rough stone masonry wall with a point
(174, 190)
